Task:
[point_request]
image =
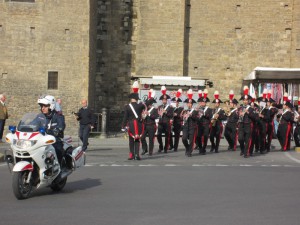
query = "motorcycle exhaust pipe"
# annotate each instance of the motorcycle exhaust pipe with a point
(65, 174)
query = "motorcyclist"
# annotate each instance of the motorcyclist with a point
(55, 123)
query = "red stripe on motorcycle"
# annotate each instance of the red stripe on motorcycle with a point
(78, 155)
(28, 167)
(18, 134)
(33, 135)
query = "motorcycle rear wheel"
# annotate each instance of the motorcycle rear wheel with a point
(59, 185)
(21, 189)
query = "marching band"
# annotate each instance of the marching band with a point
(251, 125)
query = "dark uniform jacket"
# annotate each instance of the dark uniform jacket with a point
(233, 116)
(153, 115)
(166, 117)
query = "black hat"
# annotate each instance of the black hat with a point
(246, 97)
(189, 101)
(288, 104)
(271, 100)
(175, 99)
(150, 101)
(234, 101)
(165, 96)
(203, 99)
(217, 101)
(253, 103)
(259, 99)
(134, 96)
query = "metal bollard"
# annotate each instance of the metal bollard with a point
(103, 124)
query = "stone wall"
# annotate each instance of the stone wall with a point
(223, 40)
(40, 37)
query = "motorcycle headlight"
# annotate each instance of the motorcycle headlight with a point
(23, 144)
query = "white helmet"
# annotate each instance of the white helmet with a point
(47, 100)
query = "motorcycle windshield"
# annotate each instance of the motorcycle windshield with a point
(32, 122)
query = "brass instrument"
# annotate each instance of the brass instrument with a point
(215, 117)
(242, 113)
(296, 118)
(145, 113)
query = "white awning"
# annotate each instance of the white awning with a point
(172, 80)
(272, 73)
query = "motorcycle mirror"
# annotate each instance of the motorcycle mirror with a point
(12, 129)
(42, 130)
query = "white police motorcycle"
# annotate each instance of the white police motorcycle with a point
(32, 158)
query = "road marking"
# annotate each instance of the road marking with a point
(170, 165)
(3, 164)
(145, 165)
(292, 158)
(246, 165)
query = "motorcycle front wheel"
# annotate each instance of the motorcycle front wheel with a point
(21, 189)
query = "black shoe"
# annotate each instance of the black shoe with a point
(216, 151)
(150, 154)
(130, 158)
(211, 150)
(159, 150)
(144, 152)
(137, 157)
(241, 153)
(165, 151)
(175, 150)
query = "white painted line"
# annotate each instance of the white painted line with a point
(291, 157)
(127, 165)
(221, 165)
(115, 165)
(197, 165)
(170, 165)
(88, 165)
(246, 165)
(145, 165)
(275, 165)
(103, 165)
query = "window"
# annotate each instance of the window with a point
(53, 80)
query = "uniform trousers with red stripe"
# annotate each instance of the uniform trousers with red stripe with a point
(284, 135)
(203, 134)
(270, 133)
(150, 129)
(230, 134)
(215, 136)
(164, 128)
(135, 131)
(189, 135)
(245, 137)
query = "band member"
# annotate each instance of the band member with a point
(297, 128)
(270, 132)
(165, 113)
(230, 132)
(256, 126)
(285, 126)
(132, 121)
(246, 119)
(149, 117)
(216, 126)
(177, 121)
(264, 117)
(189, 131)
(205, 115)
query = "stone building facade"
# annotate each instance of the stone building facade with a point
(97, 47)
